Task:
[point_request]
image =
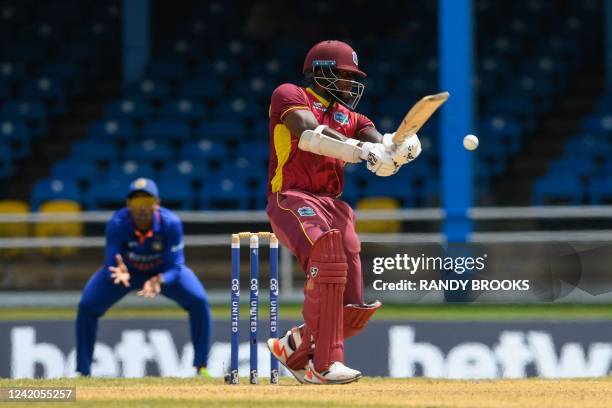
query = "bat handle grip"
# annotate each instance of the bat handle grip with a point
(399, 139)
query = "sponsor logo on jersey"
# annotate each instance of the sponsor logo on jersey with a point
(341, 118)
(314, 271)
(157, 245)
(306, 211)
(318, 106)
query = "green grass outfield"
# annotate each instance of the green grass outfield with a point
(368, 392)
(394, 311)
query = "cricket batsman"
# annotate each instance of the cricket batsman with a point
(144, 250)
(314, 131)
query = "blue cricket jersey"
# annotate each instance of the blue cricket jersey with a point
(159, 250)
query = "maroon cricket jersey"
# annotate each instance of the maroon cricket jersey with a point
(294, 169)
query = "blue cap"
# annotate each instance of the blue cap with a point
(144, 184)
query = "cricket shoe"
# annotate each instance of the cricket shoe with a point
(337, 373)
(282, 350)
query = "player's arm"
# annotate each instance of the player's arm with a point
(370, 134)
(174, 257)
(298, 121)
(112, 255)
(320, 139)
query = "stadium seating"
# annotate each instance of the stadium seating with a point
(59, 229)
(13, 229)
(381, 226)
(54, 189)
(199, 111)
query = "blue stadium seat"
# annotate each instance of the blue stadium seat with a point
(351, 191)
(494, 65)
(128, 169)
(237, 49)
(6, 161)
(221, 131)
(176, 193)
(376, 87)
(255, 87)
(96, 151)
(572, 166)
(12, 71)
(80, 53)
(556, 190)
(203, 151)
(24, 110)
(149, 151)
(219, 68)
(395, 108)
(184, 169)
(600, 190)
(44, 87)
(604, 104)
(128, 108)
(516, 105)
(149, 88)
(61, 70)
(53, 189)
(505, 130)
(428, 195)
(184, 109)
(589, 146)
(598, 123)
(5, 90)
(278, 71)
(493, 150)
(224, 194)
(541, 85)
(201, 88)
(109, 195)
(165, 130)
(112, 130)
(257, 151)
(393, 187)
(260, 131)
(28, 52)
(239, 108)
(166, 69)
(255, 176)
(16, 135)
(73, 170)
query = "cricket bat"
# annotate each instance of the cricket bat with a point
(418, 115)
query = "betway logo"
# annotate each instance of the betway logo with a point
(509, 358)
(128, 358)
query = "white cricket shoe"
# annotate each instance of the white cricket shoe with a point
(337, 373)
(281, 349)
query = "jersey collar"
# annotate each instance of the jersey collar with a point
(321, 99)
(155, 227)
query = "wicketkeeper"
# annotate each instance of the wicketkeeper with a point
(314, 131)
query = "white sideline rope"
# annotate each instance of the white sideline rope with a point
(207, 240)
(417, 214)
